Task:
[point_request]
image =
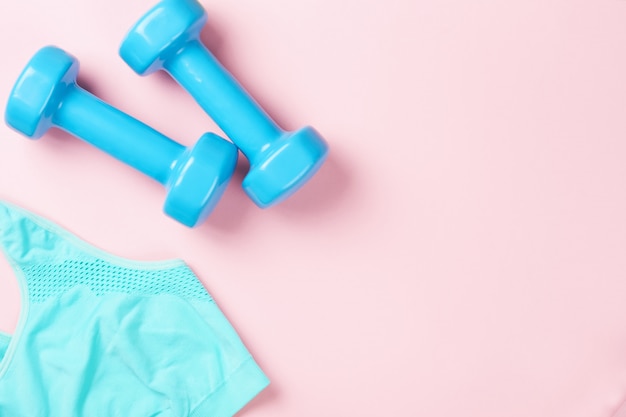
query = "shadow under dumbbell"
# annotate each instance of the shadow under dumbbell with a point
(323, 193)
(212, 38)
(88, 84)
(325, 190)
(235, 205)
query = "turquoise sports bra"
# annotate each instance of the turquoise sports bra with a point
(102, 336)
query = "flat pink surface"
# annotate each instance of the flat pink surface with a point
(462, 253)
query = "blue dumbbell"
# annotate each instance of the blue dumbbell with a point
(46, 95)
(167, 38)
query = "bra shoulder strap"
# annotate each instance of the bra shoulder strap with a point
(28, 239)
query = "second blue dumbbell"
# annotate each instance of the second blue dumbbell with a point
(167, 37)
(46, 95)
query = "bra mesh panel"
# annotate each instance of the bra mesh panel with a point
(101, 277)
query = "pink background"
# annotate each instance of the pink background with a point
(462, 253)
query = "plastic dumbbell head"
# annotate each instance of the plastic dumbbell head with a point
(39, 91)
(162, 32)
(285, 166)
(199, 179)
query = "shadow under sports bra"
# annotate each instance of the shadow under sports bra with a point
(102, 336)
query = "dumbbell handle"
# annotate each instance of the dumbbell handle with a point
(118, 134)
(221, 96)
